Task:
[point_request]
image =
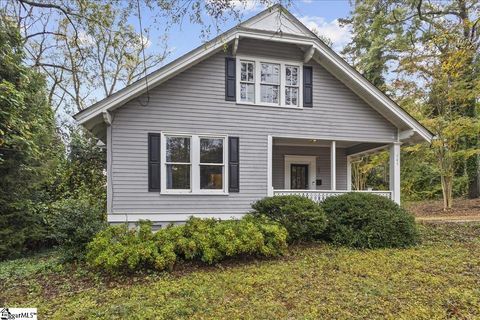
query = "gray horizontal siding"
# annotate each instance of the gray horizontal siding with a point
(323, 165)
(194, 102)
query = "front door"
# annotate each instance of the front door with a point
(299, 176)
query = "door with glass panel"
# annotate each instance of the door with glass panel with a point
(299, 176)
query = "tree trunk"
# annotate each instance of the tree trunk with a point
(474, 177)
(447, 190)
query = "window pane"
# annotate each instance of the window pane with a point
(211, 150)
(178, 176)
(178, 149)
(270, 73)
(291, 96)
(211, 177)
(247, 92)
(291, 76)
(269, 93)
(250, 72)
(246, 72)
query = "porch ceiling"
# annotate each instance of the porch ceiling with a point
(312, 142)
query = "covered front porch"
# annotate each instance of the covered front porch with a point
(321, 168)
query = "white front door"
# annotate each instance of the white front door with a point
(300, 172)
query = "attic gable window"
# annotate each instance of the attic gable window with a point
(267, 82)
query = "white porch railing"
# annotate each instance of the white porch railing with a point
(320, 195)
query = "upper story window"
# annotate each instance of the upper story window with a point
(291, 85)
(193, 163)
(269, 83)
(247, 81)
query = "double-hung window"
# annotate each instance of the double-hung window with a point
(291, 85)
(193, 163)
(247, 81)
(212, 163)
(178, 162)
(269, 83)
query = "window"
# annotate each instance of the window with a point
(178, 162)
(269, 83)
(211, 163)
(291, 85)
(193, 163)
(247, 81)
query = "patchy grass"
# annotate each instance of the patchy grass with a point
(436, 280)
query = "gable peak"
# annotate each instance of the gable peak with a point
(277, 19)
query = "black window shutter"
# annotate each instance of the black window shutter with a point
(233, 164)
(307, 86)
(154, 162)
(230, 79)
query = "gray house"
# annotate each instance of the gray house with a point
(264, 109)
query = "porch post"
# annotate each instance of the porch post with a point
(269, 166)
(349, 173)
(395, 171)
(333, 166)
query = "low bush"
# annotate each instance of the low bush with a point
(302, 217)
(212, 240)
(74, 224)
(366, 220)
(118, 248)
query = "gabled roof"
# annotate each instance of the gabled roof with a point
(273, 24)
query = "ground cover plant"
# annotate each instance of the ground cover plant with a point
(438, 279)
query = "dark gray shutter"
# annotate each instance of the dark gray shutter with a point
(233, 164)
(307, 86)
(154, 162)
(230, 79)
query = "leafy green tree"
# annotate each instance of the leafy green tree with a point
(432, 50)
(29, 148)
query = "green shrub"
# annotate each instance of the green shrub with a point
(75, 222)
(303, 218)
(118, 248)
(211, 240)
(366, 220)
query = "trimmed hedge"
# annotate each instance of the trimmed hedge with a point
(303, 218)
(366, 220)
(119, 249)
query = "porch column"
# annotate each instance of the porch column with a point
(349, 173)
(333, 166)
(269, 166)
(395, 171)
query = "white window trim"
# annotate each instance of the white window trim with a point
(311, 161)
(194, 164)
(282, 63)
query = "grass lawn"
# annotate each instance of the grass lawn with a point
(436, 280)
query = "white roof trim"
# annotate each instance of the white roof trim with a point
(242, 31)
